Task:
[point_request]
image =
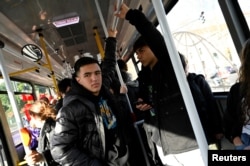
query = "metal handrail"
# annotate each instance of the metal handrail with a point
(181, 78)
(113, 26)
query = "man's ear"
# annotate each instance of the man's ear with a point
(77, 79)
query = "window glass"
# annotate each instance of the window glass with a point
(43, 91)
(18, 86)
(201, 34)
(23, 101)
(2, 85)
(131, 69)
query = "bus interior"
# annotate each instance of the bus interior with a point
(41, 40)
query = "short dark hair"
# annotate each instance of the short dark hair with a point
(140, 42)
(64, 84)
(183, 61)
(122, 65)
(82, 62)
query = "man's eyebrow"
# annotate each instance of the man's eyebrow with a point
(92, 72)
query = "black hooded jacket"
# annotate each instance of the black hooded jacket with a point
(206, 106)
(170, 127)
(80, 136)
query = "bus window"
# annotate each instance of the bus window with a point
(21, 87)
(131, 69)
(43, 91)
(23, 97)
(245, 7)
(201, 34)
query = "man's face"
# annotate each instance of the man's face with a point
(90, 77)
(146, 56)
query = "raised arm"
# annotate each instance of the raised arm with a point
(149, 32)
(109, 61)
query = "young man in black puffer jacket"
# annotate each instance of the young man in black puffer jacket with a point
(89, 129)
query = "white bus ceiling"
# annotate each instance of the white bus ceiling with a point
(22, 20)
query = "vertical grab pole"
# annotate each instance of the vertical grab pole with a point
(115, 19)
(11, 95)
(48, 61)
(10, 89)
(98, 42)
(120, 77)
(181, 78)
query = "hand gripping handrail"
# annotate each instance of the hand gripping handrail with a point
(181, 78)
(113, 27)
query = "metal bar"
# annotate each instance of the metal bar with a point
(236, 22)
(48, 44)
(181, 78)
(22, 71)
(98, 42)
(10, 91)
(44, 66)
(8, 146)
(101, 17)
(48, 62)
(11, 95)
(116, 19)
(114, 25)
(122, 82)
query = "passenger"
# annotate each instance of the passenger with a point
(88, 129)
(136, 155)
(236, 118)
(132, 88)
(45, 99)
(206, 106)
(42, 117)
(34, 132)
(124, 71)
(63, 86)
(167, 122)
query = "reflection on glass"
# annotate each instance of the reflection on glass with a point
(201, 34)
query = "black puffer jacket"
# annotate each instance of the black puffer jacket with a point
(45, 136)
(80, 137)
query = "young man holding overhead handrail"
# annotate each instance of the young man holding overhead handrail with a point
(167, 123)
(88, 127)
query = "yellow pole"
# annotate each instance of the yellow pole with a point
(98, 42)
(48, 61)
(22, 71)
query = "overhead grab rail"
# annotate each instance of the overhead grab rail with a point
(37, 65)
(113, 27)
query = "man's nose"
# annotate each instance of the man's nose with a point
(94, 77)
